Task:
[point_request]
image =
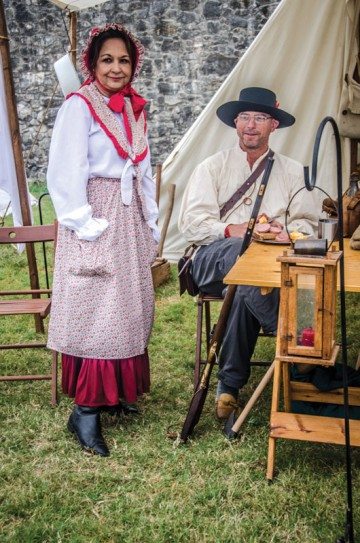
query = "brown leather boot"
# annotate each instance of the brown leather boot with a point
(225, 405)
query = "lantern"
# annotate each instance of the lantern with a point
(308, 308)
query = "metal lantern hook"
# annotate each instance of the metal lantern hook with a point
(310, 185)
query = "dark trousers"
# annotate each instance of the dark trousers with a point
(250, 310)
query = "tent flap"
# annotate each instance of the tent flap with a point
(299, 54)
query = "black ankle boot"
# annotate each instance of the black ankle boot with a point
(122, 407)
(84, 422)
(130, 408)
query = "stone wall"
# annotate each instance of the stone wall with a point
(191, 46)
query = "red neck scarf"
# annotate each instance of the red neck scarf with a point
(117, 104)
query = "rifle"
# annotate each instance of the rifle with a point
(199, 396)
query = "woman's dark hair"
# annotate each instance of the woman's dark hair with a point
(98, 41)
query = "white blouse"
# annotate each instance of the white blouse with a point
(81, 150)
(217, 178)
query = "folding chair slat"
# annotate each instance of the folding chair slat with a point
(27, 234)
(36, 306)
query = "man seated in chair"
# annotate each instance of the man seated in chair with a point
(217, 227)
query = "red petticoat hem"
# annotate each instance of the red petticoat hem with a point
(96, 382)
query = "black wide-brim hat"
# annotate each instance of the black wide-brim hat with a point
(254, 99)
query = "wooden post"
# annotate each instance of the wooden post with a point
(167, 218)
(17, 150)
(158, 183)
(73, 36)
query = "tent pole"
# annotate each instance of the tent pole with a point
(17, 150)
(73, 37)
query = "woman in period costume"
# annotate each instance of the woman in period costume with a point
(100, 181)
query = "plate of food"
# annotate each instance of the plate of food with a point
(272, 232)
(271, 241)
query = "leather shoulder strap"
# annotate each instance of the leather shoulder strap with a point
(245, 187)
(269, 162)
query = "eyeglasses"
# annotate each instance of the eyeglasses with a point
(245, 118)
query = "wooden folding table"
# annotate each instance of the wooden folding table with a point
(258, 267)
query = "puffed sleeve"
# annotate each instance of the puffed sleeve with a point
(199, 218)
(149, 190)
(68, 170)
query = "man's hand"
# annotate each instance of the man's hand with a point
(237, 230)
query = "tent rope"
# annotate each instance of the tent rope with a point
(49, 102)
(2, 217)
(65, 26)
(41, 123)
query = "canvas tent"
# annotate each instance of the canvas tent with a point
(77, 5)
(301, 53)
(9, 193)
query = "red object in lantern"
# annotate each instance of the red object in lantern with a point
(308, 337)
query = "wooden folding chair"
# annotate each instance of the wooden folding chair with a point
(30, 302)
(204, 302)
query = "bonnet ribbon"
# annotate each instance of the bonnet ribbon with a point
(117, 104)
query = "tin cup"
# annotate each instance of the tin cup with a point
(327, 229)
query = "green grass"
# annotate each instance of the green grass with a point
(149, 491)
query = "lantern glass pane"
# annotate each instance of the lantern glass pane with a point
(306, 310)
